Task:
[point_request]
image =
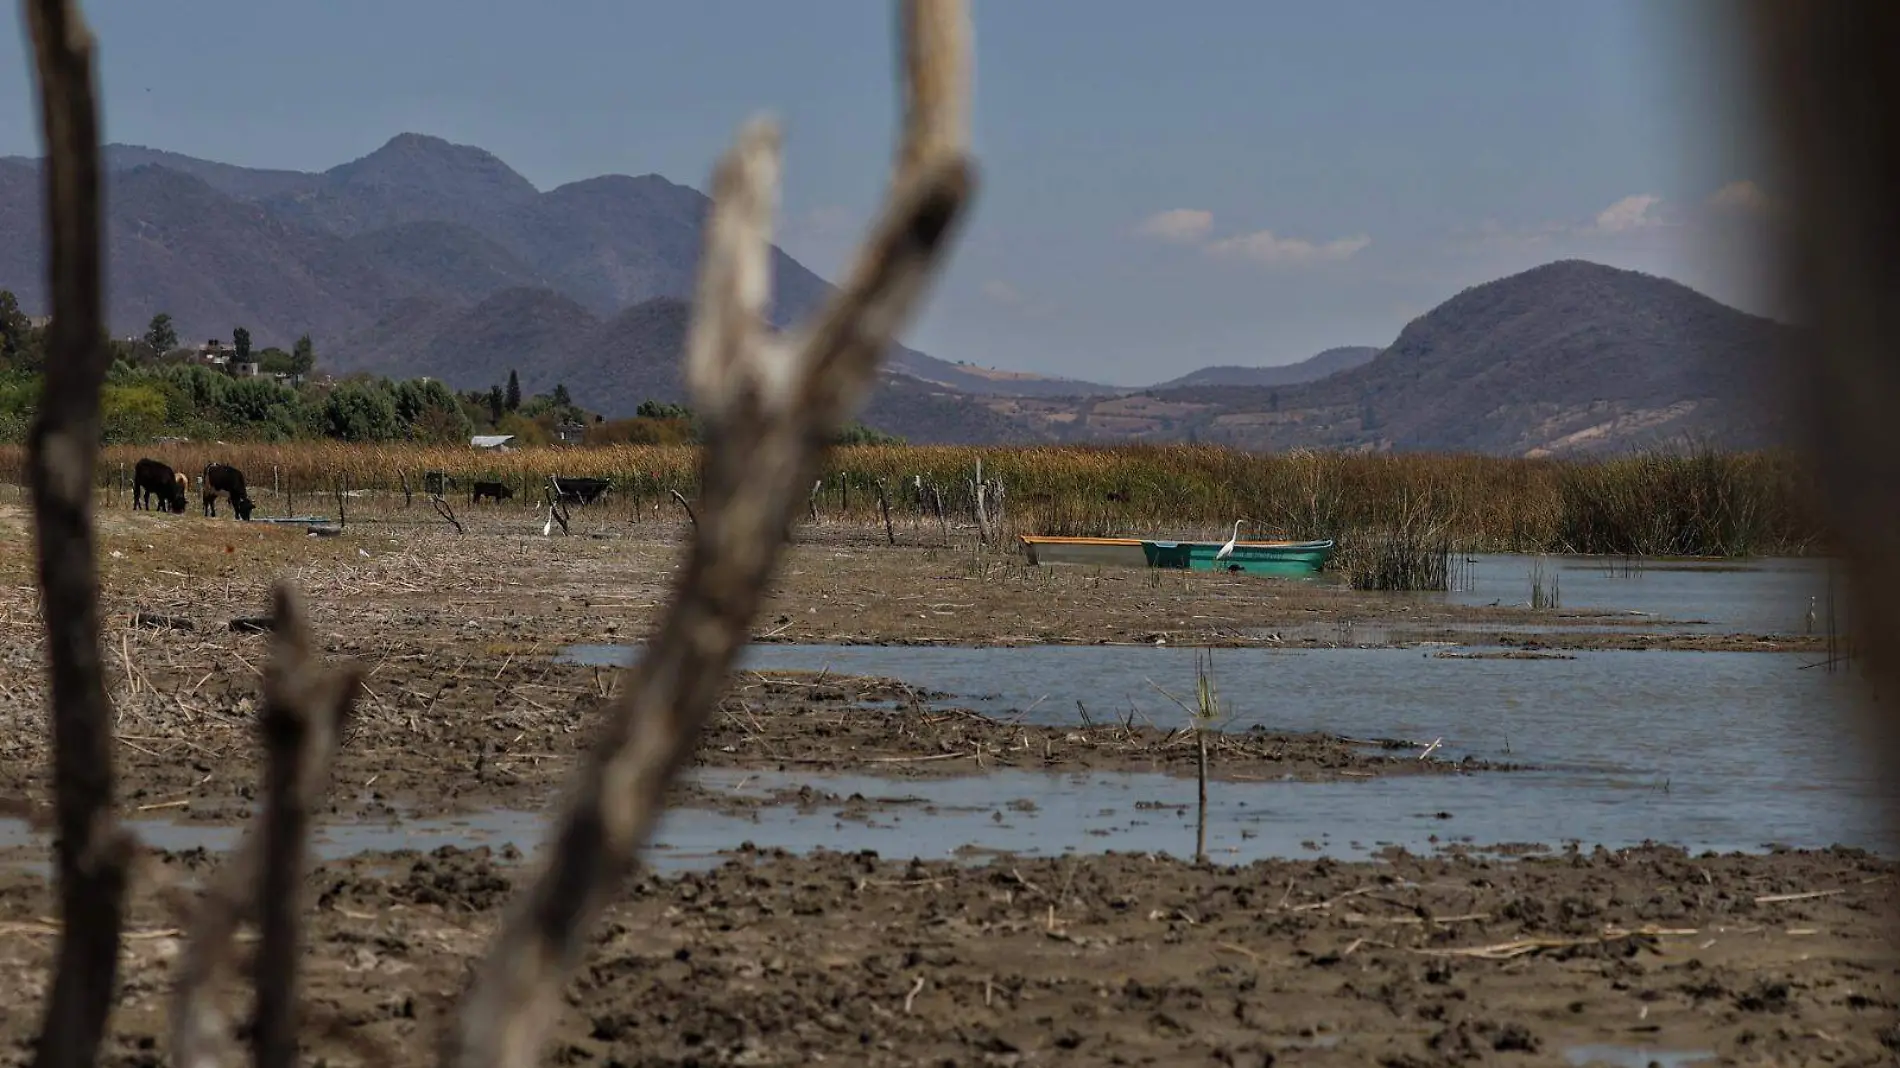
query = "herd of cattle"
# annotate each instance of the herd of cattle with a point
(566, 490)
(153, 481)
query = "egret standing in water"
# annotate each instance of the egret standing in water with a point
(1227, 550)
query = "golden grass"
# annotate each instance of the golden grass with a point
(1699, 504)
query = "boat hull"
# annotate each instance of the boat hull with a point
(1248, 557)
(1251, 558)
(1096, 552)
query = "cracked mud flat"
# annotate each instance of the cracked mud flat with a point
(777, 960)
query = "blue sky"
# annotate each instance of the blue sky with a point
(1165, 186)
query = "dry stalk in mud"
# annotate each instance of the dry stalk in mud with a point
(771, 403)
(93, 853)
(305, 708)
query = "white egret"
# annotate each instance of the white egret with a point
(547, 528)
(1227, 550)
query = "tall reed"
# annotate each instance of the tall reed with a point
(1697, 503)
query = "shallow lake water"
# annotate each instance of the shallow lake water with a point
(1725, 751)
(1704, 750)
(1770, 595)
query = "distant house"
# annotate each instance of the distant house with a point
(570, 433)
(496, 442)
(38, 322)
(243, 368)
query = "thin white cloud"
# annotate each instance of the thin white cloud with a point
(1264, 246)
(1741, 196)
(1183, 225)
(1634, 212)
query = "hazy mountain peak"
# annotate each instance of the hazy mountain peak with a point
(413, 159)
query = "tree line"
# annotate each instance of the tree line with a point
(158, 388)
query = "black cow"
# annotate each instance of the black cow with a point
(228, 480)
(151, 479)
(580, 490)
(489, 489)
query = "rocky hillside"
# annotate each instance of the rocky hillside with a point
(1328, 362)
(418, 224)
(1569, 357)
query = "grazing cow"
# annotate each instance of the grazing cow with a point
(489, 489)
(580, 490)
(228, 480)
(153, 480)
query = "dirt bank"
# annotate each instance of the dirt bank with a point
(776, 960)
(499, 727)
(503, 580)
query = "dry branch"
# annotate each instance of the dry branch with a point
(771, 405)
(305, 707)
(442, 509)
(93, 853)
(686, 506)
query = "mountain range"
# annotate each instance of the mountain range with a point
(1569, 357)
(430, 258)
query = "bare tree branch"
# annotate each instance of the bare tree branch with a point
(305, 708)
(1830, 93)
(772, 406)
(93, 854)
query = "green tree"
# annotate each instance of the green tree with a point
(358, 411)
(303, 358)
(652, 409)
(131, 412)
(274, 361)
(445, 426)
(260, 408)
(161, 334)
(525, 430)
(561, 398)
(514, 391)
(241, 341)
(430, 412)
(13, 328)
(859, 434)
(497, 404)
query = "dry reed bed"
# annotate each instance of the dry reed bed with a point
(1691, 503)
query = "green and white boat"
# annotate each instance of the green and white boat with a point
(1248, 557)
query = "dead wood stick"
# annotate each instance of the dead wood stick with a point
(305, 708)
(93, 854)
(442, 509)
(884, 506)
(771, 405)
(684, 504)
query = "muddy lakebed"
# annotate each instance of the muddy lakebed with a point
(947, 811)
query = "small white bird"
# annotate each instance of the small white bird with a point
(547, 528)
(1227, 550)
